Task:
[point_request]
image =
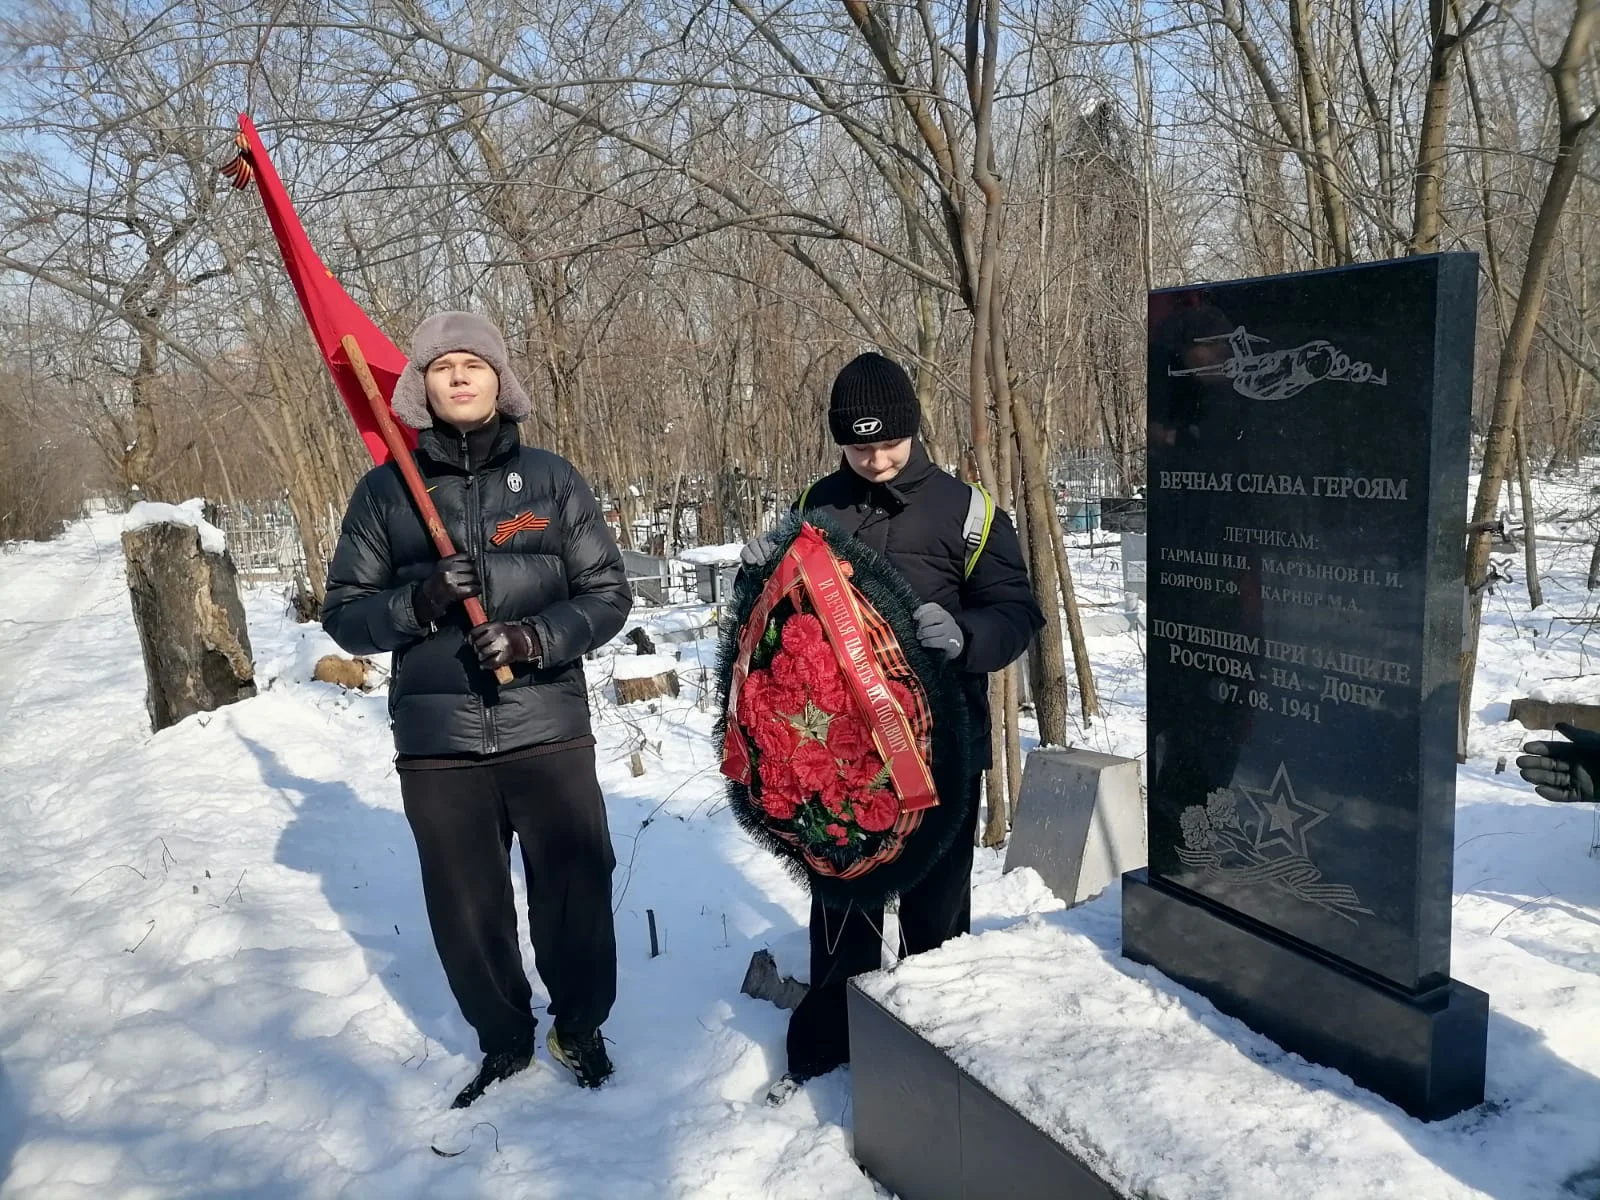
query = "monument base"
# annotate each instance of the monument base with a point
(927, 1130)
(1424, 1052)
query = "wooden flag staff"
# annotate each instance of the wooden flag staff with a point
(401, 454)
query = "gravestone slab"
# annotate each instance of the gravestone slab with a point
(1108, 622)
(1135, 565)
(714, 581)
(928, 1130)
(1080, 821)
(1307, 509)
(1122, 514)
(648, 575)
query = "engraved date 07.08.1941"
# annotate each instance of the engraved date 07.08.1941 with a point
(1287, 706)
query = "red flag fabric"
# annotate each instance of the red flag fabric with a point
(329, 310)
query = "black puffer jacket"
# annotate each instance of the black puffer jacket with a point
(559, 571)
(915, 521)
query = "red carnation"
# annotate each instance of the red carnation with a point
(779, 806)
(790, 702)
(813, 766)
(830, 691)
(756, 693)
(877, 811)
(859, 775)
(819, 659)
(778, 779)
(834, 795)
(802, 631)
(839, 834)
(776, 737)
(789, 671)
(849, 737)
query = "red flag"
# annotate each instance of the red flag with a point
(328, 308)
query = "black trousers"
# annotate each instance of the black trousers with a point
(463, 819)
(849, 943)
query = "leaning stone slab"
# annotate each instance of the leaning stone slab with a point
(1079, 822)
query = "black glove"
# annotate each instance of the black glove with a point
(453, 580)
(500, 643)
(1563, 771)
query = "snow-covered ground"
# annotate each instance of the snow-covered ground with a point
(218, 978)
(216, 968)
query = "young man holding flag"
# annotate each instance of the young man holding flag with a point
(479, 760)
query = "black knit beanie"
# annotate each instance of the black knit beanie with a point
(873, 401)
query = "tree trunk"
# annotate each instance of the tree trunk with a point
(1045, 521)
(1575, 124)
(1013, 742)
(1088, 695)
(1330, 194)
(138, 456)
(984, 371)
(1050, 676)
(191, 623)
(1530, 551)
(994, 783)
(1426, 216)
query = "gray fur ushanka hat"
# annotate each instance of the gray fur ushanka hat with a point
(443, 333)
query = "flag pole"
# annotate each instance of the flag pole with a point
(401, 454)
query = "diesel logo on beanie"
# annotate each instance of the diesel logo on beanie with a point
(873, 401)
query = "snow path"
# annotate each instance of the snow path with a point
(217, 973)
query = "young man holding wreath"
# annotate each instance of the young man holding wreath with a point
(962, 559)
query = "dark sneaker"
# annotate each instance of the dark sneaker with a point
(779, 1093)
(584, 1054)
(495, 1068)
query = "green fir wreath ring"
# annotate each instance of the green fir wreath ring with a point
(881, 586)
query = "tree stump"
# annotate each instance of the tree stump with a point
(191, 622)
(639, 677)
(762, 981)
(352, 674)
(646, 687)
(1544, 714)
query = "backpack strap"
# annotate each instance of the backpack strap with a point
(975, 529)
(800, 504)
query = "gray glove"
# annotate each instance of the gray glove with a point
(757, 550)
(937, 631)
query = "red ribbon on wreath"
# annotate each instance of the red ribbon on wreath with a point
(861, 643)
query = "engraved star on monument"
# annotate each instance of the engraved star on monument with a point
(1283, 819)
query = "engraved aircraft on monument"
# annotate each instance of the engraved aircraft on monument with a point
(1279, 374)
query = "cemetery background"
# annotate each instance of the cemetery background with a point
(219, 980)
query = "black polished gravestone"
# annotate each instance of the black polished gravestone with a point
(1307, 492)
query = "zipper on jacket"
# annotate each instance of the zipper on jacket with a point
(488, 735)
